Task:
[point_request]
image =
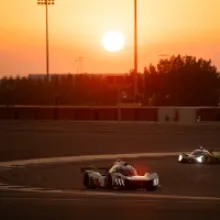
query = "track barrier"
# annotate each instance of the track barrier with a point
(162, 115)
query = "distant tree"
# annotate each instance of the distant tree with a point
(178, 80)
(182, 80)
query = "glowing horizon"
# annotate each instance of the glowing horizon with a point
(76, 29)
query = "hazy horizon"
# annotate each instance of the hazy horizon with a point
(76, 27)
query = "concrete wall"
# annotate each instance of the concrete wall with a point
(167, 115)
(187, 116)
(162, 115)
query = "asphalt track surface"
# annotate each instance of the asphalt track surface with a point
(35, 206)
(28, 140)
(24, 140)
(176, 179)
(55, 207)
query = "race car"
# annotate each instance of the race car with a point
(119, 176)
(201, 156)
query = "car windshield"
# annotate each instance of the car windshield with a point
(128, 171)
(198, 152)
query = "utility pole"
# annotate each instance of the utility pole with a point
(79, 68)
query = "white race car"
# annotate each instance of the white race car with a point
(201, 156)
(119, 176)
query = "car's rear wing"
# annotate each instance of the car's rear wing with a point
(92, 168)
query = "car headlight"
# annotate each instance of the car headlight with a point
(180, 157)
(200, 159)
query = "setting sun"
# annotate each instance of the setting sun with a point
(80, 29)
(113, 41)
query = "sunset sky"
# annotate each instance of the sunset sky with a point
(76, 28)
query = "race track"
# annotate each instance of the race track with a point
(35, 206)
(28, 140)
(176, 179)
(23, 140)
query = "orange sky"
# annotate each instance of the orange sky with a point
(76, 27)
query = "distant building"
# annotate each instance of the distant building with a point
(112, 78)
(43, 76)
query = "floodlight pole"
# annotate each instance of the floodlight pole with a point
(46, 3)
(135, 51)
(47, 41)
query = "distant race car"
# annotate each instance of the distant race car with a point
(201, 156)
(119, 176)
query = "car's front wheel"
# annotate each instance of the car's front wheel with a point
(87, 182)
(206, 159)
(182, 158)
(109, 184)
(153, 185)
(152, 188)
